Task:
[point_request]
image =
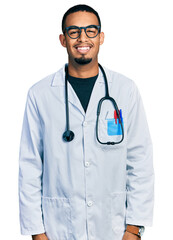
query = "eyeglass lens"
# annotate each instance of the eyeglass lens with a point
(91, 32)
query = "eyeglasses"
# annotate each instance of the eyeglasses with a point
(91, 31)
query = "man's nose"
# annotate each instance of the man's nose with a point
(83, 35)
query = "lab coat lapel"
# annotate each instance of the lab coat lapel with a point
(73, 99)
(59, 81)
(97, 93)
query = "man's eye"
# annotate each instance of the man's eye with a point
(73, 32)
(91, 30)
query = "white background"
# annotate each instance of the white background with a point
(138, 44)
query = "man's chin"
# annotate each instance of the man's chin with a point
(83, 61)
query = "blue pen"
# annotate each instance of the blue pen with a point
(121, 116)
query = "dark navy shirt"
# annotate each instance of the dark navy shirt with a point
(83, 88)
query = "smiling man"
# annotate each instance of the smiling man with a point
(95, 181)
(82, 44)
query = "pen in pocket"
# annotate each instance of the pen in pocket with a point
(115, 116)
(121, 115)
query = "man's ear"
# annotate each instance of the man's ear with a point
(62, 40)
(102, 36)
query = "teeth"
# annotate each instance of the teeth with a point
(83, 48)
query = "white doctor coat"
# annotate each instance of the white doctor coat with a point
(82, 189)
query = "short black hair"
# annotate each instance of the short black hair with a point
(77, 8)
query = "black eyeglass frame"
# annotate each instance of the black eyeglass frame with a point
(80, 28)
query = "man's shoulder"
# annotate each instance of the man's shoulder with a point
(118, 78)
(47, 82)
(43, 83)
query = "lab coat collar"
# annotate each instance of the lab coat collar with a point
(59, 77)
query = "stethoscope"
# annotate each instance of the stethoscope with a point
(68, 135)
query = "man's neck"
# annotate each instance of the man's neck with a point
(83, 71)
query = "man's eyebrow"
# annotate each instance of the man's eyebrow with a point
(82, 26)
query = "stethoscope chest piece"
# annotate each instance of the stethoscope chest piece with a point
(68, 136)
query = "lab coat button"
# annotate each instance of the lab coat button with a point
(90, 203)
(85, 123)
(87, 164)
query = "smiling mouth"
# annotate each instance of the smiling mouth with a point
(83, 49)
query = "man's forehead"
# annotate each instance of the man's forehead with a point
(81, 18)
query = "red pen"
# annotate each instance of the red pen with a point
(115, 116)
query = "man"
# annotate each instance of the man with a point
(82, 189)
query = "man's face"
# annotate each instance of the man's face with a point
(75, 47)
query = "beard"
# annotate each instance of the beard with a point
(82, 60)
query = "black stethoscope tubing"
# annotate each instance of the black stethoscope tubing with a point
(68, 135)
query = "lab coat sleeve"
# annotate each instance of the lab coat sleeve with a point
(30, 170)
(139, 167)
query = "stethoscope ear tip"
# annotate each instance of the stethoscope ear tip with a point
(68, 136)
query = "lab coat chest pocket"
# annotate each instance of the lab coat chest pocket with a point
(57, 217)
(109, 129)
(118, 209)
